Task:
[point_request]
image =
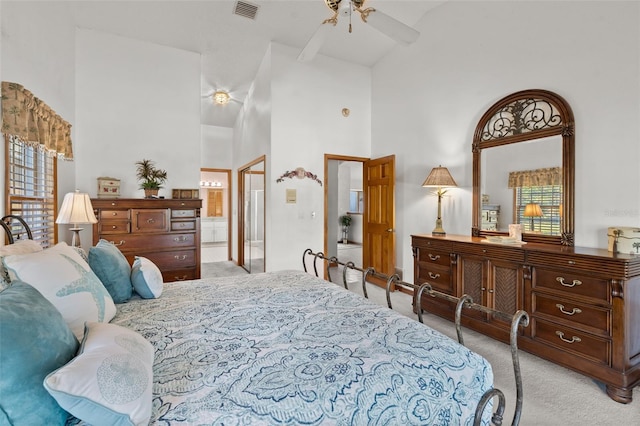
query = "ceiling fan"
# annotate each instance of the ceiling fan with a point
(384, 23)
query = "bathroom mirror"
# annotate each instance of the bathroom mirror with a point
(525, 142)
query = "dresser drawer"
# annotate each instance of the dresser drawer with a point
(572, 284)
(570, 340)
(427, 255)
(180, 213)
(179, 259)
(583, 316)
(113, 227)
(438, 276)
(114, 214)
(179, 275)
(150, 220)
(183, 225)
(140, 242)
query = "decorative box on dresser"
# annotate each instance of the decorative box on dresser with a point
(166, 231)
(584, 303)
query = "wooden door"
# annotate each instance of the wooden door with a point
(378, 233)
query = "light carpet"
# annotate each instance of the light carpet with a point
(220, 269)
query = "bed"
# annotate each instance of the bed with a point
(273, 348)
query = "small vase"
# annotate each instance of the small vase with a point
(150, 193)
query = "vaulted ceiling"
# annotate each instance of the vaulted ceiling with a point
(232, 46)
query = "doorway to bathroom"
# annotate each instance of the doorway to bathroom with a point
(215, 223)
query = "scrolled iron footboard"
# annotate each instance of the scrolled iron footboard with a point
(519, 319)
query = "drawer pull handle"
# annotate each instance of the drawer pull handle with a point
(182, 278)
(117, 244)
(574, 339)
(434, 276)
(434, 257)
(182, 225)
(179, 239)
(183, 257)
(573, 284)
(114, 227)
(114, 214)
(573, 311)
(150, 220)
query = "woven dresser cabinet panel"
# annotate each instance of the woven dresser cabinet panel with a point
(167, 232)
(583, 302)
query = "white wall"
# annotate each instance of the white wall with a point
(307, 122)
(216, 147)
(38, 51)
(135, 101)
(431, 95)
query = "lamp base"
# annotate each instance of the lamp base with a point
(438, 231)
(75, 241)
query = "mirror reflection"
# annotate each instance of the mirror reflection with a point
(522, 184)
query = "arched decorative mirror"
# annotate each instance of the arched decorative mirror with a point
(523, 168)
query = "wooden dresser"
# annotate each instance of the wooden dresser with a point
(167, 232)
(584, 303)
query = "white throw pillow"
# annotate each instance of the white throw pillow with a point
(146, 278)
(110, 381)
(19, 247)
(67, 281)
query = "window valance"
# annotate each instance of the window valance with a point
(538, 177)
(33, 122)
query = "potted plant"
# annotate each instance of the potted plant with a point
(151, 177)
(345, 221)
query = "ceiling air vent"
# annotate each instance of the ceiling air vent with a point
(246, 9)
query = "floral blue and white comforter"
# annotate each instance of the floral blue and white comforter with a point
(289, 348)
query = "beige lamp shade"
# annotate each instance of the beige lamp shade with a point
(76, 208)
(532, 210)
(439, 177)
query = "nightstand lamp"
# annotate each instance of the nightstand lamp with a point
(532, 210)
(439, 178)
(76, 209)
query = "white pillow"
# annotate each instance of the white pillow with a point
(146, 278)
(110, 381)
(19, 247)
(67, 281)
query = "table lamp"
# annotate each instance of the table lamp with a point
(439, 178)
(76, 209)
(532, 210)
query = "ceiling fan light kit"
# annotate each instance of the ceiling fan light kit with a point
(384, 23)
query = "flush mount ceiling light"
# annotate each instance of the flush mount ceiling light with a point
(384, 23)
(221, 97)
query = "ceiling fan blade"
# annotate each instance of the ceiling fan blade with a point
(315, 43)
(391, 27)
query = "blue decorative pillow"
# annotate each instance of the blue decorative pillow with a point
(110, 381)
(35, 341)
(113, 269)
(146, 278)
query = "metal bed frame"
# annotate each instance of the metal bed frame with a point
(15, 231)
(520, 318)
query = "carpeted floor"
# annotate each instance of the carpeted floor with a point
(220, 269)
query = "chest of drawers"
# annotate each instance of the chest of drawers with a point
(583, 302)
(167, 232)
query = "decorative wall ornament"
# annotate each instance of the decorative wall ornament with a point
(300, 173)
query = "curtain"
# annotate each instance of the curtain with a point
(538, 177)
(33, 122)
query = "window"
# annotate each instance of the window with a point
(549, 198)
(31, 188)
